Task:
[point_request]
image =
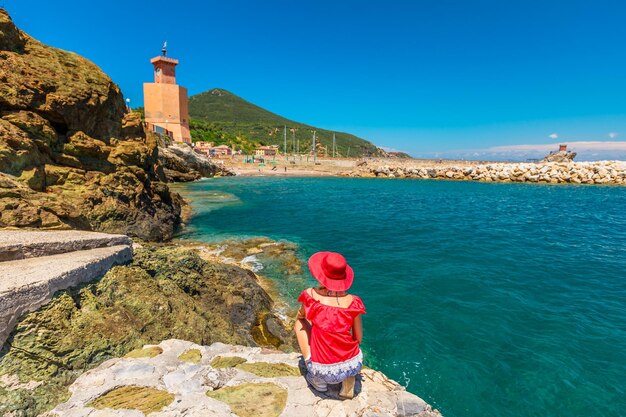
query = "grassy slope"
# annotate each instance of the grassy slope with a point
(223, 117)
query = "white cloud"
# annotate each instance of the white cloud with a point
(580, 146)
(553, 136)
(586, 151)
(613, 135)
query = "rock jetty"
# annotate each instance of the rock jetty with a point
(602, 172)
(562, 155)
(178, 378)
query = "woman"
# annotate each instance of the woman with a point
(329, 327)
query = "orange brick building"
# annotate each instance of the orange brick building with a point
(165, 102)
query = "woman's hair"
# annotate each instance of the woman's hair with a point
(323, 288)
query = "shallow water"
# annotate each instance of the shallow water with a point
(485, 299)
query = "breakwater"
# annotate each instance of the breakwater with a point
(601, 172)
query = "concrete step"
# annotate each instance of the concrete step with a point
(22, 244)
(27, 284)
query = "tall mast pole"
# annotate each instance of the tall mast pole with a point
(333, 144)
(285, 136)
(313, 146)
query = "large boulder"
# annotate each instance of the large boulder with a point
(71, 156)
(560, 156)
(182, 163)
(65, 88)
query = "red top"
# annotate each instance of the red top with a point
(331, 339)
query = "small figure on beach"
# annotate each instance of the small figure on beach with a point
(329, 325)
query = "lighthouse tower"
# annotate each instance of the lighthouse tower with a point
(165, 102)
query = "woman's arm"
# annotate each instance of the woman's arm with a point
(357, 329)
(302, 312)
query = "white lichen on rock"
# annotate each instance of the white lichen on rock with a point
(196, 387)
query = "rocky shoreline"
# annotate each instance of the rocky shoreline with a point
(72, 156)
(167, 291)
(179, 378)
(601, 172)
(206, 294)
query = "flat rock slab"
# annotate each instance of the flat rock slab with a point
(27, 284)
(22, 244)
(199, 389)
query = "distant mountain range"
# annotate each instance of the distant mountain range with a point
(223, 117)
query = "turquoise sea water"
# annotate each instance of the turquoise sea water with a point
(485, 299)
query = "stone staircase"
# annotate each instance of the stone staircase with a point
(36, 264)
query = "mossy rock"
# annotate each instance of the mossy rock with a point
(253, 400)
(145, 399)
(168, 292)
(59, 108)
(226, 361)
(265, 329)
(149, 352)
(262, 369)
(192, 355)
(269, 370)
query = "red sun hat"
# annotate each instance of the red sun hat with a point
(331, 270)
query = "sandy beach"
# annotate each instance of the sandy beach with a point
(294, 172)
(325, 166)
(281, 167)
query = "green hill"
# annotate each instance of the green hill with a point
(222, 117)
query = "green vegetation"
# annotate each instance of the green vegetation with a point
(226, 361)
(269, 370)
(149, 352)
(230, 119)
(145, 399)
(400, 155)
(192, 355)
(214, 132)
(141, 111)
(264, 369)
(253, 400)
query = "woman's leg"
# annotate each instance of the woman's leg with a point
(302, 328)
(347, 388)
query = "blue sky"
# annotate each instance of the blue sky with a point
(439, 77)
